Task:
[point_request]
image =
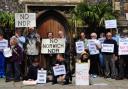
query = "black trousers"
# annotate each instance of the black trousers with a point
(55, 78)
(94, 64)
(123, 65)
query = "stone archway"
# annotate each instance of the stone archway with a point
(51, 21)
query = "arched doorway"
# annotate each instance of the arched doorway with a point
(51, 21)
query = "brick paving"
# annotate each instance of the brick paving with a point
(96, 83)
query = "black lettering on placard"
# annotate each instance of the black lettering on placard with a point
(53, 40)
(41, 75)
(28, 22)
(24, 16)
(41, 79)
(23, 23)
(53, 50)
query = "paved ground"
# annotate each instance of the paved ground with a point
(97, 83)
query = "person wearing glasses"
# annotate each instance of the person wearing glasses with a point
(110, 57)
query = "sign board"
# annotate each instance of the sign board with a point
(107, 48)
(92, 47)
(101, 40)
(79, 47)
(110, 24)
(126, 16)
(123, 46)
(52, 46)
(59, 70)
(3, 44)
(25, 19)
(82, 74)
(41, 76)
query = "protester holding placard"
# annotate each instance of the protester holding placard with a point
(94, 47)
(60, 61)
(13, 63)
(50, 58)
(32, 45)
(123, 56)
(21, 42)
(3, 45)
(84, 39)
(110, 57)
(84, 44)
(67, 44)
(67, 53)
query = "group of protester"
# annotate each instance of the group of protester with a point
(107, 64)
(26, 49)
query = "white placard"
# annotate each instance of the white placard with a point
(25, 19)
(126, 16)
(92, 46)
(82, 74)
(107, 48)
(123, 46)
(79, 47)
(59, 70)
(110, 24)
(52, 46)
(41, 76)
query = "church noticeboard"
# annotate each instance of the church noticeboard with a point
(25, 19)
(53, 46)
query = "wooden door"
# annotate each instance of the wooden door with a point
(50, 25)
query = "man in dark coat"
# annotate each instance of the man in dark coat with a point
(111, 57)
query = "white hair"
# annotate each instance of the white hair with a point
(94, 34)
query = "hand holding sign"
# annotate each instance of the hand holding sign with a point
(107, 48)
(59, 70)
(25, 19)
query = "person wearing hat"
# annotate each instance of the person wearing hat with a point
(84, 57)
(3, 45)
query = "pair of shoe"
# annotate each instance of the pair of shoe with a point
(94, 76)
(8, 80)
(65, 83)
(54, 83)
(18, 80)
(106, 76)
(119, 78)
(114, 77)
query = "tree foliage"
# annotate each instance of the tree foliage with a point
(7, 20)
(95, 14)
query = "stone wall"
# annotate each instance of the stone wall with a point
(11, 6)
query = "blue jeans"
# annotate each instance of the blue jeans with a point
(101, 60)
(2, 66)
(13, 67)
